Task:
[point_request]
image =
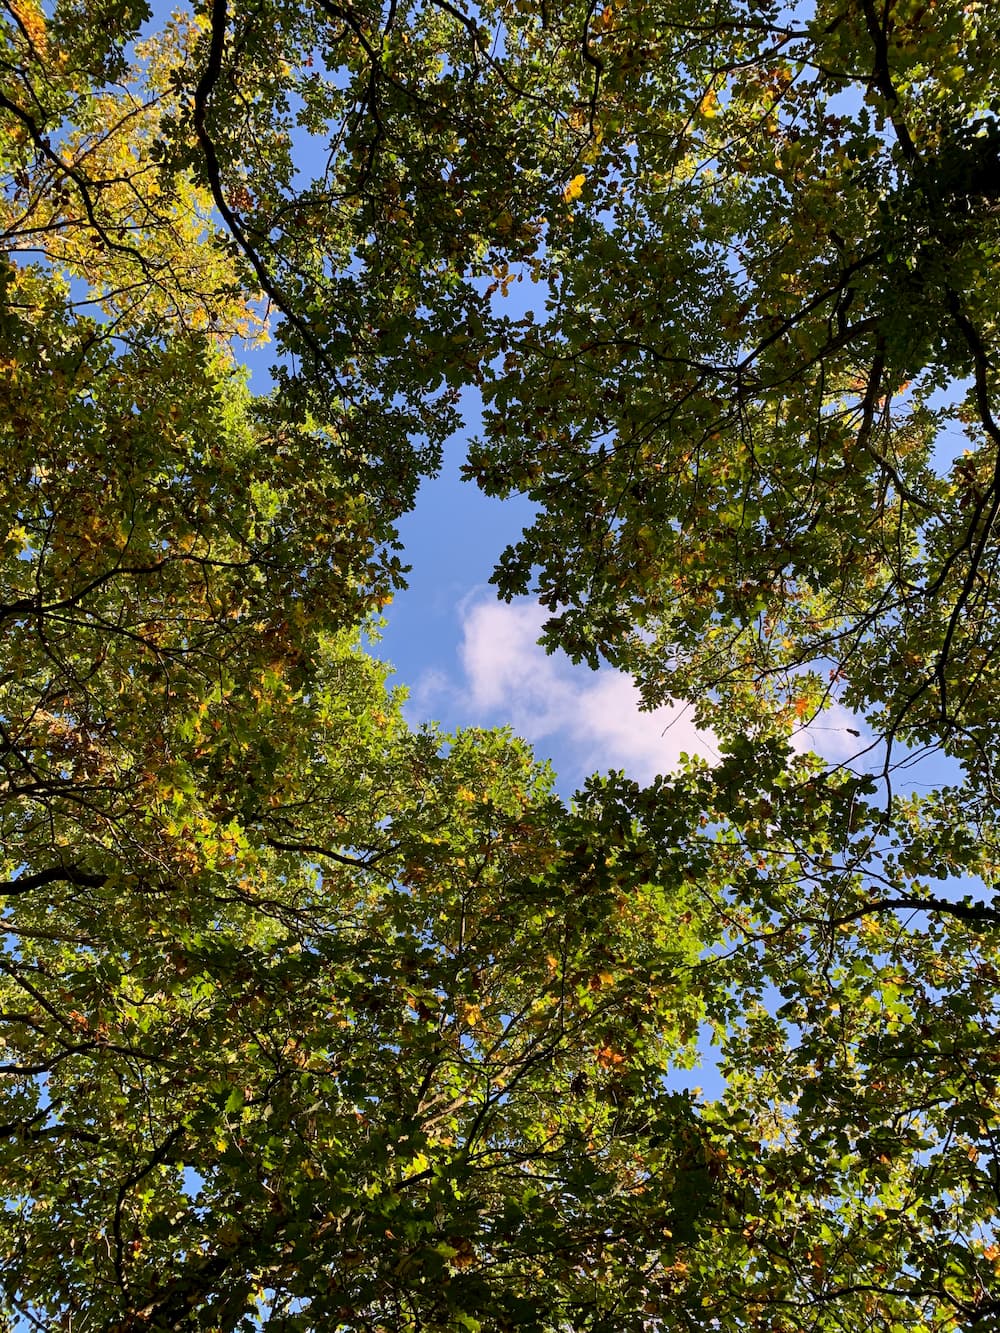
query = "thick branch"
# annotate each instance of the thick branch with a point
(75, 875)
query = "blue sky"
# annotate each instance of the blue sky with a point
(468, 659)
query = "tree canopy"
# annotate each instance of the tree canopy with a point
(314, 1020)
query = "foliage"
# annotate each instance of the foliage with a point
(313, 1021)
(769, 333)
(345, 1087)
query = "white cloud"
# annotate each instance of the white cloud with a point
(592, 720)
(586, 721)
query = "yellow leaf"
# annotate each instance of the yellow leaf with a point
(417, 1165)
(575, 188)
(31, 21)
